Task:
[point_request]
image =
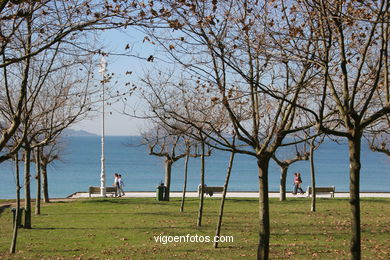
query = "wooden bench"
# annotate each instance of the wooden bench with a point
(320, 190)
(96, 190)
(210, 190)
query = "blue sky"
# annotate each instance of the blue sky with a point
(115, 122)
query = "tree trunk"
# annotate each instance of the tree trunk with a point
(27, 195)
(38, 177)
(264, 232)
(354, 145)
(313, 177)
(283, 178)
(201, 198)
(45, 184)
(17, 216)
(168, 171)
(225, 187)
(185, 182)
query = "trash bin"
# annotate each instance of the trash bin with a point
(166, 194)
(160, 192)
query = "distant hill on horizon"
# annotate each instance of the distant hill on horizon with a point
(73, 132)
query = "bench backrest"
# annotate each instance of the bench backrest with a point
(110, 189)
(207, 189)
(93, 189)
(322, 189)
(214, 188)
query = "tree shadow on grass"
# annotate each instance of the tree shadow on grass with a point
(109, 212)
(162, 213)
(125, 201)
(235, 200)
(148, 228)
(82, 228)
(377, 200)
(92, 213)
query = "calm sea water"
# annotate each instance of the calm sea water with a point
(80, 168)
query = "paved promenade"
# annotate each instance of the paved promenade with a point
(233, 194)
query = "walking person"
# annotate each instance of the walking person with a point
(116, 185)
(121, 185)
(297, 184)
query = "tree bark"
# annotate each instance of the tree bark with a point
(201, 198)
(27, 194)
(283, 178)
(225, 187)
(38, 177)
(45, 183)
(313, 177)
(264, 232)
(168, 171)
(185, 182)
(17, 216)
(354, 145)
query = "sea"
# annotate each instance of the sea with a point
(79, 167)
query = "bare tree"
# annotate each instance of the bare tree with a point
(223, 50)
(284, 164)
(225, 187)
(351, 56)
(71, 23)
(161, 143)
(17, 214)
(38, 180)
(314, 144)
(191, 150)
(55, 100)
(182, 113)
(50, 153)
(56, 21)
(183, 197)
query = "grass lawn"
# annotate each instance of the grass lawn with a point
(125, 229)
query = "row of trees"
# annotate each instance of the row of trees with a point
(267, 70)
(261, 71)
(47, 83)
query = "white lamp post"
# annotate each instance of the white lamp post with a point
(102, 71)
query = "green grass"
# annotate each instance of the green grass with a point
(4, 201)
(124, 229)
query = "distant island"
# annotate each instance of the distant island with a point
(72, 132)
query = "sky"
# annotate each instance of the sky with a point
(116, 123)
